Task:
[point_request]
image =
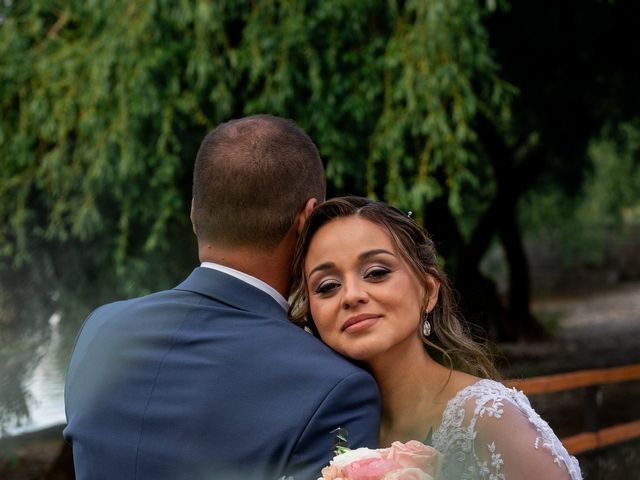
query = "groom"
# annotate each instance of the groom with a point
(210, 380)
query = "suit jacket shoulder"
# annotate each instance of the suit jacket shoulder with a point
(209, 376)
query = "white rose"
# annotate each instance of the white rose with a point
(346, 458)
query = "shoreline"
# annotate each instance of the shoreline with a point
(53, 432)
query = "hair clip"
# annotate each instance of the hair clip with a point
(409, 214)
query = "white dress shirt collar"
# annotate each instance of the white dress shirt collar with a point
(253, 281)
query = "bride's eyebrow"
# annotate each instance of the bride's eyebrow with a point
(321, 267)
(372, 253)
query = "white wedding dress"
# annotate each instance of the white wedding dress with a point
(489, 431)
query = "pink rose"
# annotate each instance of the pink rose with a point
(414, 454)
(369, 469)
(409, 461)
(408, 474)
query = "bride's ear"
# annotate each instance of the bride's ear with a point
(304, 214)
(431, 297)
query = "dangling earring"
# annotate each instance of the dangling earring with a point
(426, 325)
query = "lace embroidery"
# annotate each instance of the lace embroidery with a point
(457, 434)
(496, 462)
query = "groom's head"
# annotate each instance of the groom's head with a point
(252, 177)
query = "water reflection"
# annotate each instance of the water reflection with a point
(43, 388)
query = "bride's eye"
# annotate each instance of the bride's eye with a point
(327, 287)
(377, 273)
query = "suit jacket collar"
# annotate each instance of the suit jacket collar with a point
(232, 291)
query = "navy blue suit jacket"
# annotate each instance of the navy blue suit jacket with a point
(209, 380)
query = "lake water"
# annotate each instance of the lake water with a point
(46, 388)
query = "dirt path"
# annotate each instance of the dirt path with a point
(599, 329)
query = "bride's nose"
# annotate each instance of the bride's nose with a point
(354, 293)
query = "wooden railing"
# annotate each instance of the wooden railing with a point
(591, 380)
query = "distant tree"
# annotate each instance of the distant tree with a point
(576, 81)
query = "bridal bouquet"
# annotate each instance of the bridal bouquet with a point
(401, 461)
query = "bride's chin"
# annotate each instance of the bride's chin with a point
(359, 354)
(364, 349)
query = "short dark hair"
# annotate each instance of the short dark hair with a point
(252, 176)
(451, 337)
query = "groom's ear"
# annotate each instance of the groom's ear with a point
(193, 225)
(306, 211)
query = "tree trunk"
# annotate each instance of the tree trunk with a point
(525, 324)
(512, 180)
(478, 296)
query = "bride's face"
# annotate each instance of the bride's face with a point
(365, 300)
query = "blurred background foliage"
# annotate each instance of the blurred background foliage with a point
(499, 125)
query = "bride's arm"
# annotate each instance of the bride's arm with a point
(514, 441)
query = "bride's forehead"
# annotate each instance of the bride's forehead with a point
(349, 237)
(351, 227)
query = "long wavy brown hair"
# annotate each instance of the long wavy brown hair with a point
(450, 342)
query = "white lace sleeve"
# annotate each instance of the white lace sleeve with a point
(491, 432)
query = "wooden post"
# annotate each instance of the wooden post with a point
(592, 401)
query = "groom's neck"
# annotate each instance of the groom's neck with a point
(271, 266)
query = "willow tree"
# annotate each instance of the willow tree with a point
(104, 106)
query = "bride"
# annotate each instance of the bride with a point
(367, 282)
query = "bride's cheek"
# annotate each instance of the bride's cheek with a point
(322, 320)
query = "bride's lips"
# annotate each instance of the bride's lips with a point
(359, 322)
